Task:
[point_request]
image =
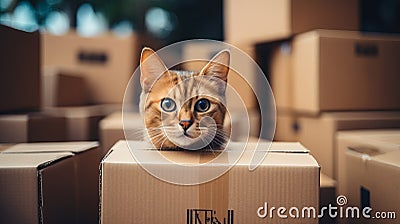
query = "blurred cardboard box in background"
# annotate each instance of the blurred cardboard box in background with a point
(112, 128)
(287, 127)
(128, 192)
(327, 195)
(344, 70)
(32, 127)
(20, 70)
(262, 20)
(50, 182)
(318, 133)
(281, 76)
(62, 88)
(375, 171)
(83, 122)
(106, 62)
(369, 142)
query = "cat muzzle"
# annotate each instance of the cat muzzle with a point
(185, 124)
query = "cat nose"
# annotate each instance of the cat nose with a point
(185, 124)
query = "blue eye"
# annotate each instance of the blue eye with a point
(168, 105)
(202, 105)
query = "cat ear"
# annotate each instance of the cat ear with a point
(218, 66)
(151, 68)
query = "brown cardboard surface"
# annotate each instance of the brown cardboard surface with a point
(368, 142)
(318, 133)
(275, 19)
(62, 88)
(20, 70)
(37, 188)
(281, 76)
(130, 195)
(286, 126)
(86, 157)
(344, 70)
(377, 177)
(327, 195)
(32, 127)
(106, 62)
(111, 128)
(83, 122)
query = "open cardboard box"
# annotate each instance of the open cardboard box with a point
(289, 176)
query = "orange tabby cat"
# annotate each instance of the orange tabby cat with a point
(184, 109)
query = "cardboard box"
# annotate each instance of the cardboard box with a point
(20, 70)
(61, 88)
(345, 70)
(371, 142)
(287, 127)
(32, 127)
(37, 188)
(131, 195)
(83, 122)
(269, 20)
(374, 181)
(318, 134)
(111, 128)
(243, 128)
(281, 76)
(327, 196)
(68, 175)
(106, 62)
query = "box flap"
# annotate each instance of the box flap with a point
(21, 160)
(291, 154)
(74, 147)
(347, 34)
(390, 158)
(372, 141)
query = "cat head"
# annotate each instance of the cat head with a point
(184, 109)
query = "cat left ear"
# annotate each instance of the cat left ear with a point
(218, 66)
(151, 68)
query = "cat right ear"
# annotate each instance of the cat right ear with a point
(151, 68)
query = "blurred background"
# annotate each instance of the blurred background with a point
(164, 22)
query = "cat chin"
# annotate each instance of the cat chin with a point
(188, 143)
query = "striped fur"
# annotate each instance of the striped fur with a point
(185, 88)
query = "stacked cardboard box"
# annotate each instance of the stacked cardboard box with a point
(326, 76)
(20, 70)
(106, 62)
(50, 182)
(269, 20)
